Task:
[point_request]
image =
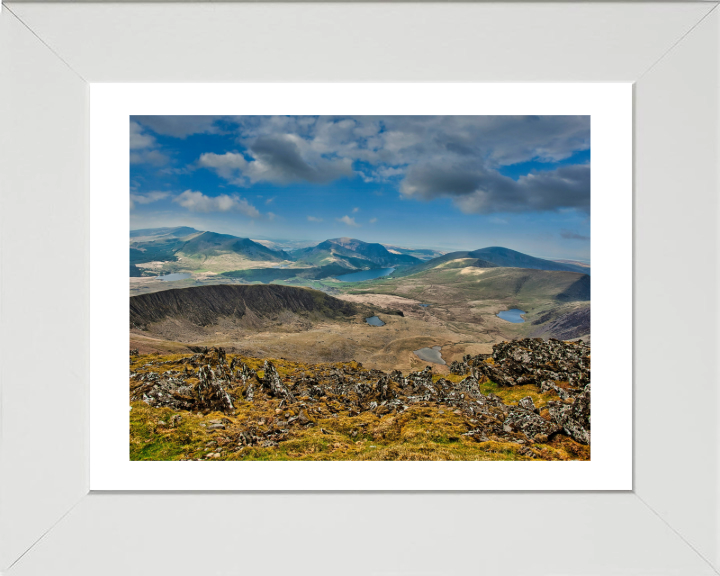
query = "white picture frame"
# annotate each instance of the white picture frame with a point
(49, 523)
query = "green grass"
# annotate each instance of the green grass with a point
(422, 433)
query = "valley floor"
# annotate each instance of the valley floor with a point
(456, 328)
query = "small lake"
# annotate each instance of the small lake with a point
(365, 275)
(424, 305)
(174, 276)
(430, 354)
(513, 315)
(374, 321)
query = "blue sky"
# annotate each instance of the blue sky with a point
(444, 182)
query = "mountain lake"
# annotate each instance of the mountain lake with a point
(365, 275)
(374, 321)
(174, 276)
(430, 354)
(513, 315)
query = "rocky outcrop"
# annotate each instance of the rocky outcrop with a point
(210, 391)
(206, 382)
(554, 366)
(171, 391)
(273, 384)
(468, 362)
(531, 361)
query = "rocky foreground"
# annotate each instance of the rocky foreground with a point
(529, 399)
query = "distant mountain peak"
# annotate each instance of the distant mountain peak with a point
(346, 241)
(497, 256)
(509, 258)
(353, 253)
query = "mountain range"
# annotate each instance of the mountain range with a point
(156, 251)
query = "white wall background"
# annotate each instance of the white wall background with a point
(48, 52)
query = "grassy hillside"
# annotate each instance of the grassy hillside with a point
(495, 257)
(476, 283)
(512, 258)
(210, 244)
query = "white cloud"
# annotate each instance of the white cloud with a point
(277, 158)
(228, 165)
(314, 219)
(373, 220)
(390, 172)
(143, 147)
(140, 139)
(349, 221)
(356, 210)
(147, 198)
(199, 202)
(383, 174)
(154, 157)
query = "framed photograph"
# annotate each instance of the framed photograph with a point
(290, 341)
(360, 255)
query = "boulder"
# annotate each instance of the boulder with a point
(303, 418)
(522, 420)
(273, 383)
(574, 418)
(498, 376)
(211, 394)
(528, 404)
